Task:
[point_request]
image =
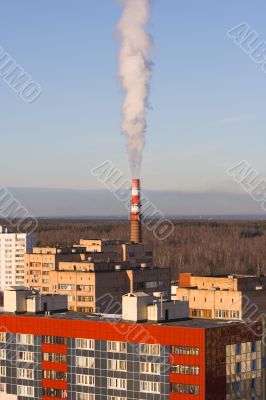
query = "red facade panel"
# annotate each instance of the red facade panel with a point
(53, 384)
(184, 279)
(54, 348)
(54, 366)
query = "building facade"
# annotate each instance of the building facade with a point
(13, 246)
(87, 279)
(234, 297)
(74, 357)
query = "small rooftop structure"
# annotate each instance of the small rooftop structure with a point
(140, 306)
(19, 299)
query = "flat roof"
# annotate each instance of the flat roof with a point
(112, 318)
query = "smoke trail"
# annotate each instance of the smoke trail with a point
(135, 70)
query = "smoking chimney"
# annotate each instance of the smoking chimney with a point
(135, 213)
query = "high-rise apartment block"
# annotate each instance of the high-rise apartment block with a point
(82, 357)
(13, 246)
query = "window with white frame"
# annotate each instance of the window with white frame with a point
(25, 339)
(86, 344)
(2, 370)
(150, 368)
(85, 396)
(27, 391)
(2, 354)
(117, 365)
(149, 387)
(85, 362)
(24, 373)
(117, 383)
(2, 336)
(150, 349)
(117, 347)
(116, 398)
(27, 356)
(86, 380)
(2, 387)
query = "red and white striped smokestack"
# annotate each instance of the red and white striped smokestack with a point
(135, 212)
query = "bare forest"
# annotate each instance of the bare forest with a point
(204, 247)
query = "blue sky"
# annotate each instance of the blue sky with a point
(207, 96)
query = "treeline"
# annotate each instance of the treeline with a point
(204, 247)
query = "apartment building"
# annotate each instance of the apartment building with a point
(223, 297)
(41, 261)
(13, 246)
(79, 357)
(89, 284)
(88, 272)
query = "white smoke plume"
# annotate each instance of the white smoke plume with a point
(135, 68)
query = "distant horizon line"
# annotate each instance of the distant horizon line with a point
(192, 217)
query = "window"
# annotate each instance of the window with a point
(187, 389)
(23, 373)
(85, 396)
(86, 380)
(117, 383)
(117, 347)
(235, 314)
(253, 383)
(185, 369)
(149, 387)
(2, 336)
(88, 344)
(150, 368)
(150, 349)
(238, 348)
(55, 375)
(237, 386)
(185, 350)
(116, 398)
(27, 391)
(253, 365)
(85, 362)
(54, 357)
(26, 356)
(116, 365)
(50, 392)
(2, 388)
(54, 340)
(238, 367)
(85, 299)
(2, 354)
(25, 339)
(2, 370)
(151, 285)
(63, 286)
(253, 347)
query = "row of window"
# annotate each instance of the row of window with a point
(90, 396)
(118, 383)
(89, 344)
(185, 350)
(20, 338)
(185, 369)
(186, 389)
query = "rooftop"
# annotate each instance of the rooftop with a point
(111, 318)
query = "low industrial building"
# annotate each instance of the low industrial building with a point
(223, 297)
